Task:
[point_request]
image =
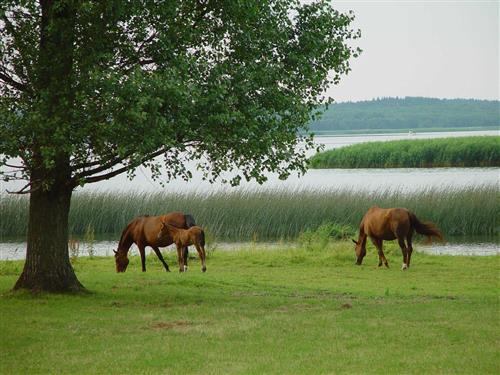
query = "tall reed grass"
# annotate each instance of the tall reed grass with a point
(268, 215)
(482, 151)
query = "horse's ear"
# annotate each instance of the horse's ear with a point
(356, 242)
(114, 251)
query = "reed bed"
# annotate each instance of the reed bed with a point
(482, 151)
(268, 215)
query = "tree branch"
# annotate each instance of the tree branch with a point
(9, 26)
(110, 160)
(109, 175)
(23, 189)
(10, 81)
(14, 166)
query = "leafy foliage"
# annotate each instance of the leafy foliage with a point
(91, 89)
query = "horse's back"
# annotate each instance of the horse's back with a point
(386, 223)
(153, 224)
(144, 229)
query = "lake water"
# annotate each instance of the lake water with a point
(478, 246)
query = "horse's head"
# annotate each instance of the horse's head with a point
(121, 261)
(360, 251)
(166, 230)
(163, 230)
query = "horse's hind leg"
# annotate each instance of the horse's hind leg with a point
(410, 247)
(185, 255)
(404, 250)
(160, 257)
(202, 255)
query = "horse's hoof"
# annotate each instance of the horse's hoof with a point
(204, 269)
(404, 267)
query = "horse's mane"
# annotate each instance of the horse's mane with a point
(126, 231)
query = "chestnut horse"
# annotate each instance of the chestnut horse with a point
(183, 238)
(143, 231)
(388, 224)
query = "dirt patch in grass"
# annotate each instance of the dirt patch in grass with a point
(320, 294)
(171, 325)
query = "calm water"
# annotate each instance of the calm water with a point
(477, 246)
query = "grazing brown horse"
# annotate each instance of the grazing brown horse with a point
(388, 224)
(183, 238)
(143, 231)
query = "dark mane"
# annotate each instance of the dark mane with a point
(125, 234)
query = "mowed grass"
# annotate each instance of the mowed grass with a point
(254, 312)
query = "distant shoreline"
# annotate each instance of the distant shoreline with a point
(340, 132)
(408, 113)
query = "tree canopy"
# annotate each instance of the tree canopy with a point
(114, 84)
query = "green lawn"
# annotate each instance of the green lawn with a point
(255, 311)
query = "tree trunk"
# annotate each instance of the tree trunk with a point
(47, 266)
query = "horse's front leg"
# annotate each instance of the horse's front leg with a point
(180, 259)
(160, 257)
(380, 249)
(142, 252)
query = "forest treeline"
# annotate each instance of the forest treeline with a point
(408, 113)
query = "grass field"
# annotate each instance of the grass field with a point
(285, 311)
(479, 151)
(272, 215)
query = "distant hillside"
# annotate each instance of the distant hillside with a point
(409, 113)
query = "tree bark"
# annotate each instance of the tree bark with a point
(47, 267)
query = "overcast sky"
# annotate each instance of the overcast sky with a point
(443, 49)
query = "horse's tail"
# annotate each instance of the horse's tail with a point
(189, 220)
(426, 228)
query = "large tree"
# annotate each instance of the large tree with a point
(92, 89)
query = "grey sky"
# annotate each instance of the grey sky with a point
(443, 49)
